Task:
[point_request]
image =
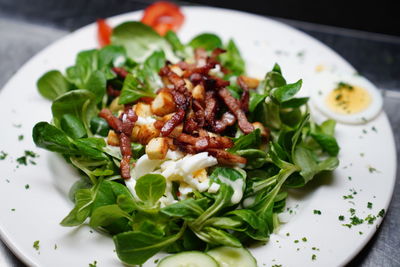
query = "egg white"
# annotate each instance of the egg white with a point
(325, 82)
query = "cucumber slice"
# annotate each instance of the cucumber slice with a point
(188, 259)
(233, 257)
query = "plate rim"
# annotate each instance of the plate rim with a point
(26, 259)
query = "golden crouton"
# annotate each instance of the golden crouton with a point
(258, 125)
(144, 133)
(189, 84)
(200, 175)
(142, 109)
(176, 131)
(178, 71)
(112, 138)
(115, 107)
(198, 92)
(163, 104)
(157, 148)
(252, 83)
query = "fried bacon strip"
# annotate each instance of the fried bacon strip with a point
(228, 119)
(235, 108)
(225, 157)
(121, 72)
(177, 81)
(204, 142)
(123, 127)
(211, 107)
(112, 92)
(125, 147)
(175, 120)
(112, 121)
(245, 98)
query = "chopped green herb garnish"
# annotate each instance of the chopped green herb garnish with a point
(304, 239)
(348, 197)
(369, 205)
(12, 209)
(347, 225)
(287, 234)
(360, 233)
(381, 213)
(296, 241)
(349, 178)
(372, 169)
(27, 186)
(22, 160)
(344, 85)
(317, 212)
(55, 246)
(370, 219)
(374, 129)
(356, 221)
(364, 131)
(313, 257)
(94, 264)
(20, 137)
(352, 211)
(3, 155)
(36, 245)
(156, 260)
(341, 218)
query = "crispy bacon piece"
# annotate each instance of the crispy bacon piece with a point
(228, 119)
(216, 52)
(123, 127)
(190, 125)
(196, 78)
(175, 120)
(121, 72)
(199, 113)
(128, 118)
(112, 92)
(211, 107)
(181, 101)
(113, 121)
(177, 81)
(203, 70)
(185, 147)
(186, 66)
(244, 100)
(225, 157)
(158, 124)
(204, 142)
(235, 108)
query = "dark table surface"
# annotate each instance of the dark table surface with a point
(25, 29)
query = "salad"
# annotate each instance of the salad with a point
(179, 150)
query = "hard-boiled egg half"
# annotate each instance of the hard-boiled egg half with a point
(346, 98)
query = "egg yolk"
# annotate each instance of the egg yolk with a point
(348, 99)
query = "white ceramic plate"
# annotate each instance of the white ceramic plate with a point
(27, 215)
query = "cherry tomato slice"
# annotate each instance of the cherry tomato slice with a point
(163, 16)
(103, 32)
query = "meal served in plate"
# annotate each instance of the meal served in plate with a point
(178, 148)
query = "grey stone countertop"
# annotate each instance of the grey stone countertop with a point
(375, 56)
